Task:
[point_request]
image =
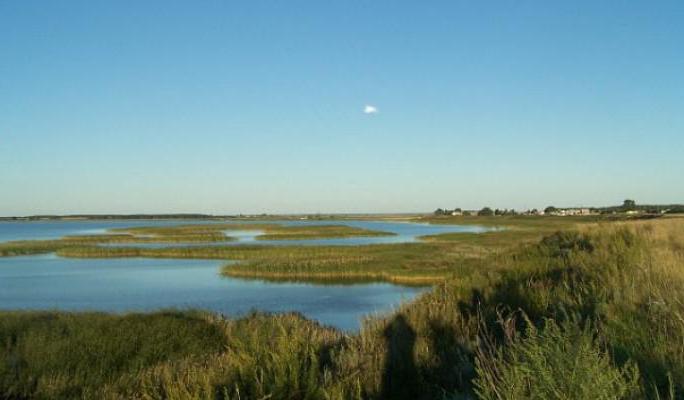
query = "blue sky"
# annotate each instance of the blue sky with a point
(258, 106)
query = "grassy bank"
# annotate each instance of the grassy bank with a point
(432, 261)
(438, 258)
(271, 231)
(512, 230)
(28, 247)
(596, 312)
(318, 232)
(411, 262)
(203, 233)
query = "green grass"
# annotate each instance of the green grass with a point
(554, 363)
(28, 247)
(192, 229)
(201, 233)
(270, 231)
(409, 263)
(63, 355)
(439, 258)
(436, 259)
(592, 311)
(406, 263)
(318, 232)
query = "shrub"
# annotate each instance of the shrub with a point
(553, 363)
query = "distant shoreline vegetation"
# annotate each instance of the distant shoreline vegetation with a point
(195, 233)
(236, 217)
(627, 207)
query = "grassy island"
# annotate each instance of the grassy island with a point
(195, 234)
(574, 309)
(264, 231)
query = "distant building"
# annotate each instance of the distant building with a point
(566, 212)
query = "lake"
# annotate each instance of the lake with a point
(136, 284)
(50, 282)
(43, 230)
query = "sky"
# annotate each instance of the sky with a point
(295, 106)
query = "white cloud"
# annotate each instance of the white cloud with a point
(368, 109)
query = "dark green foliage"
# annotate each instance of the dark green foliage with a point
(629, 205)
(63, 355)
(678, 209)
(485, 212)
(563, 243)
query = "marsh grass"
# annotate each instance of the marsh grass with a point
(554, 362)
(63, 355)
(271, 231)
(28, 247)
(596, 312)
(196, 234)
(416, 263)
(318, 232)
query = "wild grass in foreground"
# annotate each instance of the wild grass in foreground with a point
(553, 362)
(594, 313)
(65, 355)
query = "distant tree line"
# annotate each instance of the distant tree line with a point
(628, 205)
(631, 205)
(486, 211)
(454, 211)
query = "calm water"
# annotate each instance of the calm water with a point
(51, 282)
(405, 232)
(41, 230)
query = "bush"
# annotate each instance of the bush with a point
(554, 363)
(485, 212)
(65, 355)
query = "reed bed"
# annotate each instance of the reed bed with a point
(406, 263)
(270, 231)
(196, 234)
(591, 313)
(28, 247)
(319, 232)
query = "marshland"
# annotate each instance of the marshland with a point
(590, 307)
